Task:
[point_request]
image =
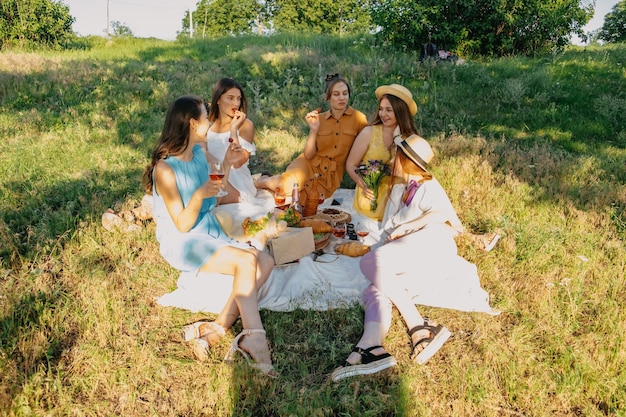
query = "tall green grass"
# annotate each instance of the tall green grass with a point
(533, 148)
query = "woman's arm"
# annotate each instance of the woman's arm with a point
(241, 128)
(310, 147)
(359, 148)
(184, 217)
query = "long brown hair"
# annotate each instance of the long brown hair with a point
(402, 113)
(221, 87)
(409, 166)
(174, 138)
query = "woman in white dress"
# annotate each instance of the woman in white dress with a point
(229, 125)
(418, 252)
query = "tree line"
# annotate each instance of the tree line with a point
(467, 27)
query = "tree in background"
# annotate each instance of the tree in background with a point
(482, 27)
(614, 27)
(35, 23)
(321, 17)
(121, 30)
(224, 17)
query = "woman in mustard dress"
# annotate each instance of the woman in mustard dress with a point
(331, 135)
(396, 109)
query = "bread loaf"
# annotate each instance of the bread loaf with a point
(318, 225)
(353, 249)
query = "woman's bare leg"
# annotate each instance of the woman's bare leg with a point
(230, 312)
(250, 269)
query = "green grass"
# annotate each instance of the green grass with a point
(533, 148)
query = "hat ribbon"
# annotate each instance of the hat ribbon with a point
(407, 148)
(410, 192)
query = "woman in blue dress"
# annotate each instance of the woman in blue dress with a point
(191, 238)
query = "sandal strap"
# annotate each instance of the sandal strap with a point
(426, 326)
(246, 332)
(367, 356)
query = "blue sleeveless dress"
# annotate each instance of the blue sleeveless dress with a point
(190, 250)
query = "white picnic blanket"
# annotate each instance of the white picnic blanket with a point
(328, 282)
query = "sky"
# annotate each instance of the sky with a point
(162, 19)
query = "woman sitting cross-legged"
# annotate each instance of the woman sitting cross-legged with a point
(331, 135)
(190, 237)
(419, 227)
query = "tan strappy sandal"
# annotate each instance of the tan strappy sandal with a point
(264, 368)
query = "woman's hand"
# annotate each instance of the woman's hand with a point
(237, 121)
(210, 188)
(396, 234)
(367, 193)
(313, 120)
(236, 156)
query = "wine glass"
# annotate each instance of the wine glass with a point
(339, 229)
(361, 231)
(321, 198)
(280, 199)
(217, 173)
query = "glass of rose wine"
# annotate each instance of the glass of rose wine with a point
(217, 173)
(361, 231)
(280, 199)
(339, 230)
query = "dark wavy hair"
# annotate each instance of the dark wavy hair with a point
(175, 135)
(219, 89)
(403, 115)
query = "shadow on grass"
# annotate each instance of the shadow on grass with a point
(30, 344)
(46, 217)
(306, 347)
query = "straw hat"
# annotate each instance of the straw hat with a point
(399, 91)
(417, 149)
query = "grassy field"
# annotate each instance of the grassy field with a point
(533, 148)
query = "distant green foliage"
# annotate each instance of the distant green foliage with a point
(222, 17)
(614, 28)
(482, 27)
(348, 16)
(121, 30)
(34, 23)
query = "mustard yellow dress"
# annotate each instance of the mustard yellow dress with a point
(376, 150)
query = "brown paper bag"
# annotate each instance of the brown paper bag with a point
(292, 244)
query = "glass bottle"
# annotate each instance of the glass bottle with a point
(295, 198)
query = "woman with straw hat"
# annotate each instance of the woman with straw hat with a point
(375, 146)
(419, 251)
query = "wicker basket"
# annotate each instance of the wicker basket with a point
(322, 242)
